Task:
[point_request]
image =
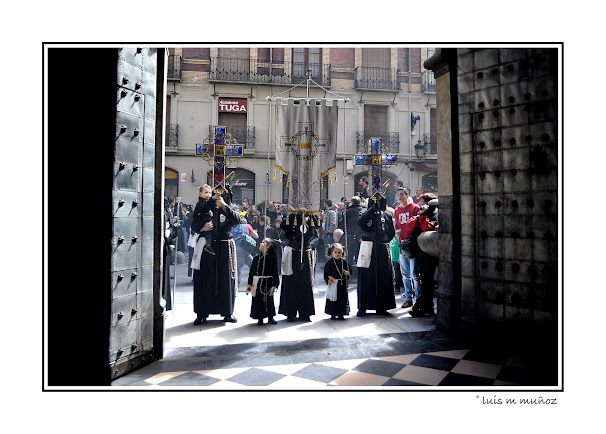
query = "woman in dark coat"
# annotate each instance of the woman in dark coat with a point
(336, 270)
(265, 267)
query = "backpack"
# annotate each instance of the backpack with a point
(241, 237)
(409, 246)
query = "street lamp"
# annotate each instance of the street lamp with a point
(419, 149)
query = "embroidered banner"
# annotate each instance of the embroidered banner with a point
(306, 149)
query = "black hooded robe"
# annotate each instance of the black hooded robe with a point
(375, 284)
(264, 265)
(296, 294)
(333, 268)
(215, 281)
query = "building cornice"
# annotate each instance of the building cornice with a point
(439, 63)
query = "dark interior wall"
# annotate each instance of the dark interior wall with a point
(508, 138)
(81, 123)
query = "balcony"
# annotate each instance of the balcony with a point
(391, 141)
(428, 83)
(175, 64)
(375, 78)
(243, 135)
(261, 71)
(172, 136)
(319, 73)
(430, 144)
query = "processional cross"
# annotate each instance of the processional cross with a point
(219, 149)
(376, 160)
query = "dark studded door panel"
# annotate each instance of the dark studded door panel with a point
(132, 307)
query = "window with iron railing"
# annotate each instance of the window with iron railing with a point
(172, 136)
(262, 71)
(428, 84)
(430, 144)
(174, 67)
(373, 77)
(243, 135)
(391, 141)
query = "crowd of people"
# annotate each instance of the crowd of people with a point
(362, 240)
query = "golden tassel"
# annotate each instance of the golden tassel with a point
(295, 222)
(274, 174)
(287, 220)
(280, 177)
(335, 176)
(330, 181)
(312, 223)
(321, 185)
(287, 182)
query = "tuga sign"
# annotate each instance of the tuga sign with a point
(232, 105)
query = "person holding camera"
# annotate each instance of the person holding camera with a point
(404, 212)
(427, 220)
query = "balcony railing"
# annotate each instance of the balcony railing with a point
(175, 64)
(260, 71)
(428, 85)
(370, 77)
(391, 141)
(172, 136)
(430, 144)
(244, 136)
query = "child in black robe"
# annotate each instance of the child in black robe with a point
(265, 267)
(202, 215)
(337, 271)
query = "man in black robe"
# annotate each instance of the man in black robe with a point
(354, 233)
(297, 294)
(170, 232)
(375, 283)
(215, 281)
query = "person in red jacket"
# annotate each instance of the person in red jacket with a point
(404, 212)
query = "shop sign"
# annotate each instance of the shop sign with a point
(232, 105)
(248, 183)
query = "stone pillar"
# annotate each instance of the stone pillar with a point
(442, 63)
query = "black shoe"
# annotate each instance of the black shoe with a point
(260, 322)
(271, 320)
(333, 317)
(361, 313)
(419, 310)
(306, 319)
(209, 249)
(290, 319)
(230, 318)
(341, 317)
(416, 313)
(199, 321)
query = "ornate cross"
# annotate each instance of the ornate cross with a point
(376, 160)
(219, 149)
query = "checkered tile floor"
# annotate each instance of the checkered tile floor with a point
(376, 361)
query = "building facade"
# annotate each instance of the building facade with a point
(390, 96)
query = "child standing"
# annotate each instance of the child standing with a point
(263, 280)
(203, 214)
(336, 275)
